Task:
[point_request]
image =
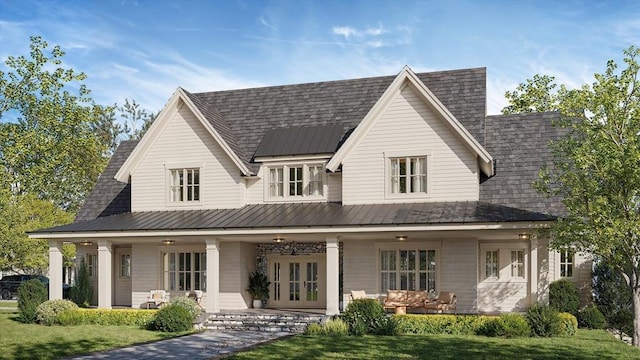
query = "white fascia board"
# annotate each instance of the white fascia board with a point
(227, 149)
(407, 74)
(167, 112)
(300, 230)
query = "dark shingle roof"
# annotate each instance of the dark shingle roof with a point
(109, 196)
(294, 215)
(519, 143)
(250, 113)
(300, 141)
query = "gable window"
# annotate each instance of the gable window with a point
(295, 181)
(566, 262)
(408, 175)
(408, 269)
(185, 185)
(517, 263)
(184, 271)
(491, 264)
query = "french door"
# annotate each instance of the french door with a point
(297, 281)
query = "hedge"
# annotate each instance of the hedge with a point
(106, 317)
(441, 324)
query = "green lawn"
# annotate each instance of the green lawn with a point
(587, 344)
(28, 341)
(8, 304)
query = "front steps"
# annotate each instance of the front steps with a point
(261, 320)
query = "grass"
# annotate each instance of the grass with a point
(29, 341)
(8, 304)
(586, 345)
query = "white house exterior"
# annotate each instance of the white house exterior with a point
(367, 184)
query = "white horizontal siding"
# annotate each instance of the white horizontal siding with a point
(146, 273)
(409, 126)
(122, 285)
(581, 274)
(237, 260)
(458, 272)
(359, 268)
(184, 140)
(334, 187)
(502, 296)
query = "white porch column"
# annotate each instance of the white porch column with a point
(333, 276)
(55, 269)
(104, 274)
(533, 265)
(213, 276)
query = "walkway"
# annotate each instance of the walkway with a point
(205, 345)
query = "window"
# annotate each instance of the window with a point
(295, 181)
(185, 185)
(517, 263)
(185, 271)
(491, 264)
(125, 266)
(408, 269)
(408, 175)
(92, 265)
(566, 262)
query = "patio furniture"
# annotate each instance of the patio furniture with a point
(157, 298)
(445, 301)
(196, 295)
(358, 294)
(401, 300)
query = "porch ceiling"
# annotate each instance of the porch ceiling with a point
(306, 215)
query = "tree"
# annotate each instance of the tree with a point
(613, 297)
(136, 120)
(536, 95)
(49, 147)
(82, 292)
(596, 169)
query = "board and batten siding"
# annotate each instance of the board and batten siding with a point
(185, 143)
(408, 126)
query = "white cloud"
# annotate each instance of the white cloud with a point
(345, 31)
(264, 22)
(375, 31)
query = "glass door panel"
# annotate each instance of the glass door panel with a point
(312, 281)
(294, 281)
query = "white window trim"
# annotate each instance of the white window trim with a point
(397, 246)
(176, 250)
(121, 266)
(285, 183)
(387, 174)
(483, 265)
(558, 270)
(504, 262)
(168, 167)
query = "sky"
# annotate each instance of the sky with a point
(145, 49)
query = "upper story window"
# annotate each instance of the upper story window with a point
(185, 185)
(295, 181)
(408, 175)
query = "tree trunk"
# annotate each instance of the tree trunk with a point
(636, 316)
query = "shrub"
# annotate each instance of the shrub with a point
(335, 327)
(363, 315)
(613, 297)
(189, 304)
(107, 317)
(387, 326)
(172, 318)
(591, 318)
(563, 296)
(544, 321)
(47, 312)
(82, 292)
(568, 324)
(513, 325)
(440, 324)
(31, 293)
(314, 329)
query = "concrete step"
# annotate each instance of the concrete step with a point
(268, 322)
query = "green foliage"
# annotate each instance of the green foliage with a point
(568, 324)
(363, 316)
(258, 286)
(19, 214)
(544, 321)
(189, 304)
(50, 149)
(613, 296)
(506, 325)
(536, 95)
(82, 292)
(335, 327)
(441, 324)
(172, 318)
(31, 293)
(387, 326)
(314, 329)
(47, 312)
(591, 318)
(563, 296)
(110, 317)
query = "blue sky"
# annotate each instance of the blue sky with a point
(144, 50)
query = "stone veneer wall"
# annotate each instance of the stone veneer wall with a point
(285, 248)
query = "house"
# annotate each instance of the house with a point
(393, 182)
